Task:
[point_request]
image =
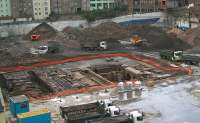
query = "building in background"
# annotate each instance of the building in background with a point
(128, 3)
(196, 2)
(41, 9)
(22, 8)
(62, 7)
(144, 6)
(5, 8)
(170, 4)
(101, 4)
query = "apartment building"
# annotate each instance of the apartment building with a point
(41, 9)
(168, 4)
(5, 8)
(69, 6)
(22, 8)
(143, 6)
(101, 4)
(196, 2)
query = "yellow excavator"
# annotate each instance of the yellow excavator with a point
(136, 40)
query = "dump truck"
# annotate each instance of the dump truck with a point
(171, 55)
(95, 45)
(132, 117)
(178, 56)
(136, 40)
(99, 112)
(82, 113)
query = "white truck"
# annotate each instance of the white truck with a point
(114, 112)
(96, 45)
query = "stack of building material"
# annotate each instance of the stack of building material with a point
(20, 83)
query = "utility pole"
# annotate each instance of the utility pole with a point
(189, 17)
(189, 14)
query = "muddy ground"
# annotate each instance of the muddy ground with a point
(16, 50)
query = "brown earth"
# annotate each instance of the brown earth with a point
(196, 11)
(44, 30)
(192, 37)
(155, 37)
(158, 39)
(70, 40)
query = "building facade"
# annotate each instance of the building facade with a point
(22, 8)
(61, 7)
(169, 4)
(101, 4)
(5, 8)
(41, 9)
(196, 2)
(143, 6)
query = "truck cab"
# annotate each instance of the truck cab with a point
(178, 55)
(110, 109)
(103, 45)
(136, 116)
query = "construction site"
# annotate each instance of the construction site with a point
(101, 73)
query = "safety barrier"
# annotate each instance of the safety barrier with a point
(148, 60)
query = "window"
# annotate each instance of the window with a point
(46, 8)
(92, 5)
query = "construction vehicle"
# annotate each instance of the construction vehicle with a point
(136, 40)
(178, 56)
(132, 117)
(81, 113)
(171, 55)
(110, 109)
(92, 46)
(35, 37)
(39, 50)
(99, 112)
(51, 48)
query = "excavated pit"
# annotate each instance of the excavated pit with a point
(77, 77)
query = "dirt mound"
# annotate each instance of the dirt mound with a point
(6, 58)
(196, 11)
(108, 30)
(157, 39)
(192, 37)
(44, 30)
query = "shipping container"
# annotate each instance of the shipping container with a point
(18, 104)
(40, 116)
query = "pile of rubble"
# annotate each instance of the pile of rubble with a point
(192, 37)
(44, 30)
(157, 38)
(196, 11)
(103, 31)
(6, 58)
